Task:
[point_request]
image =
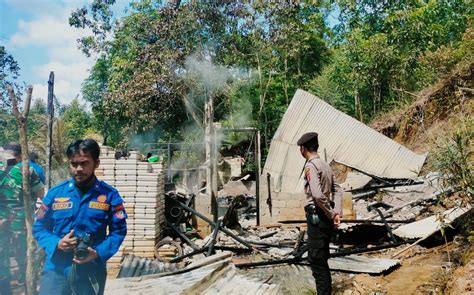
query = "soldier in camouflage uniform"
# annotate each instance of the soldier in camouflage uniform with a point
(12, 214)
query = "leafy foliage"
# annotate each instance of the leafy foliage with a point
(9, 73)
(158, 65)
(454, 160)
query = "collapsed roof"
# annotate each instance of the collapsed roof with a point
(341, 138)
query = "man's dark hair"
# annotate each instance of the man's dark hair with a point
(84, 145)
(312, 145)
(14, 147)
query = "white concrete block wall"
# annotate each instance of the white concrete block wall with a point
(285, 206)
(141, 185)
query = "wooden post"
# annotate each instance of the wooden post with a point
(49, 137)
(257, 172)
(22, 122)
(210, 138)
(170, 176)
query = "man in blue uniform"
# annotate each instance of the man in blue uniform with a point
(82, 212)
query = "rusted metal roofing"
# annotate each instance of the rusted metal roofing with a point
(341, 138)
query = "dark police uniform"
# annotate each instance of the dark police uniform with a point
(63, 210)
(324, 198)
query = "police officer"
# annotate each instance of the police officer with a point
(12, 214)
(324, 197)
(80, 211)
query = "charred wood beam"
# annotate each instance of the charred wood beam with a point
(368, 249)
(298, 259)
(181, 235)
(215, 225)
(374, 187)
(364, 221)
(222, 248)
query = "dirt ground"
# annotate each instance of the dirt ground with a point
(422, 271)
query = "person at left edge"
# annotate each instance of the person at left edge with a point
(12, 215)
(79, 207)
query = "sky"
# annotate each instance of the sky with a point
(37, 34)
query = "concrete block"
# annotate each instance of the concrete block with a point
(293, 204)
(278, 204)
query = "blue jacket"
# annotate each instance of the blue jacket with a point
(39, 170)
(64, 209)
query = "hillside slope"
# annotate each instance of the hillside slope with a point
(438, 111)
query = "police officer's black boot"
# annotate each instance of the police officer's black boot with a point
(5, 288)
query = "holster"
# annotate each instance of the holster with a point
(311, 214)
(316, 216)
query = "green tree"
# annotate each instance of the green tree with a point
(380, 49)
(9, 74)
(76, 121)
(147, 81)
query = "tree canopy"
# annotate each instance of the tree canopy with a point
(157, 65)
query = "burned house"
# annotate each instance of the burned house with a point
(375, 165)
(343, 140)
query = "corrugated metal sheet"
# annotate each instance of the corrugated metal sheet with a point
(231, 281)
(362, 264)
(156, 284)
(426, 227)
(135, 266)
(213, 275)
(291, 278)
(341, 138)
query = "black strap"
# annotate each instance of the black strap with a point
(73, 283)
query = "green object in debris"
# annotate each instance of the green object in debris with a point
(154, 159)
(189, 229)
